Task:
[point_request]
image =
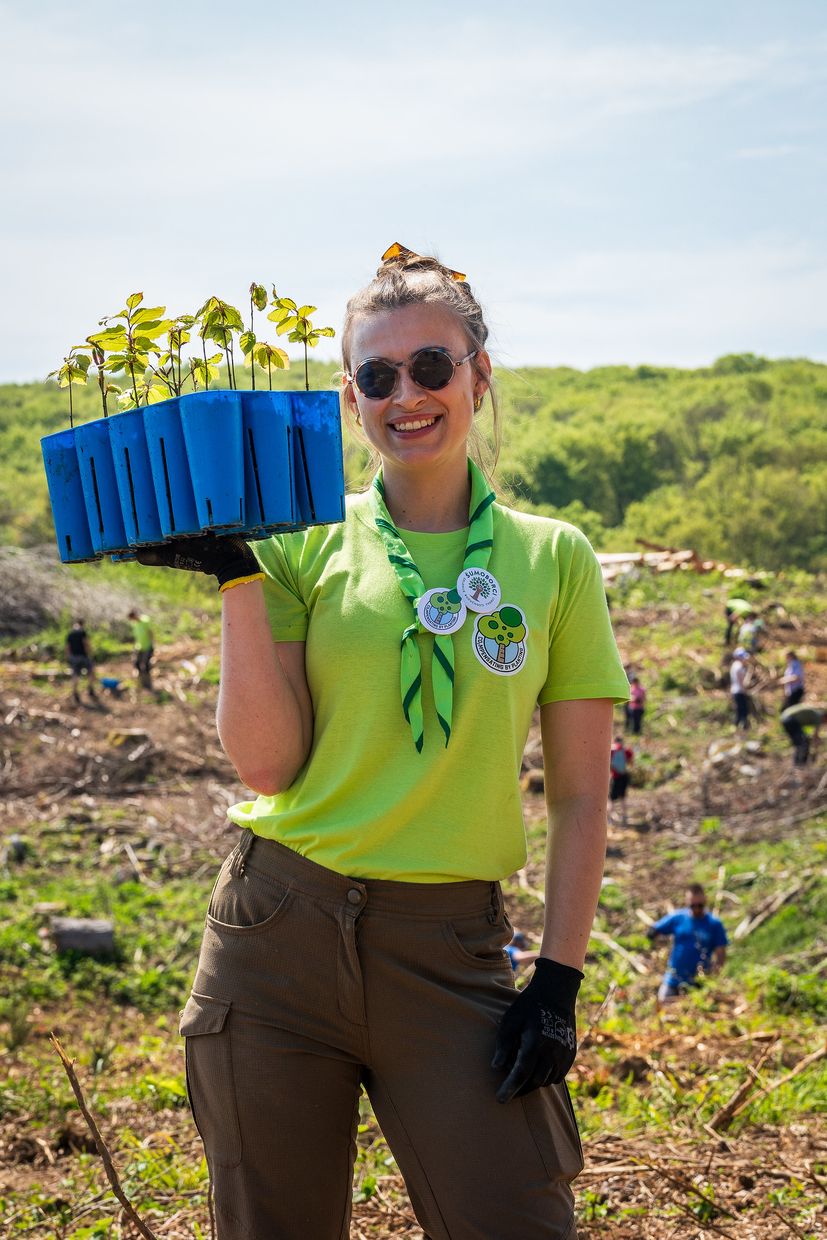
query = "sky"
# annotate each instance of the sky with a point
(635, 183)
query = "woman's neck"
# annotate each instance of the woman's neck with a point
(431, 501)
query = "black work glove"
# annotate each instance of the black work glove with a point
(228, 558)
(537, 1038)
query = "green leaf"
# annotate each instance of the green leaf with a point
(304, 311)
(259, 295)
(110, 338)
(215, 359)
(247, 342)
(287, 325)
(81, 360)
(277, 315)
(133, 300)
(145, 344)
(295, 338)
(157, 393)
(325, 331)
(146, 313)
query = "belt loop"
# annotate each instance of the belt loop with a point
(496, 905)
(242, 849)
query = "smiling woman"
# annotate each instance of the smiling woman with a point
(377, 688)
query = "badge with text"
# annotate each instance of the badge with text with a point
(500, 640)
(478, 589)
(441, 611)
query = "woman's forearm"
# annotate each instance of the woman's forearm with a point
(264, 718)
(576, 852)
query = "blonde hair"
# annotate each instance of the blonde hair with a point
(421, 280)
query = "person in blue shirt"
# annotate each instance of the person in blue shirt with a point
(699, 942)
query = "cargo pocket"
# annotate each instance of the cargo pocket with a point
(210, 1082)
(550, 1117)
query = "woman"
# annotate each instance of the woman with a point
(356, 935)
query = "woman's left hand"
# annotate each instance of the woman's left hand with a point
(537, 1038)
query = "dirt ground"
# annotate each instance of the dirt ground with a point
(58, 759)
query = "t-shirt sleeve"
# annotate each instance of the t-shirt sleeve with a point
(666, 925)
(719, 935)
(286, 608)
(583, 659)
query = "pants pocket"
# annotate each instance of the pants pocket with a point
(550, 1116)
(210, 1081)
(248, 902)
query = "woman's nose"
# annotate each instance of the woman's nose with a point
(408, 393)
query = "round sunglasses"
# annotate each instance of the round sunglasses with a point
(431, 368)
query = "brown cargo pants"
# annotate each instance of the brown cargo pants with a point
(312, 985)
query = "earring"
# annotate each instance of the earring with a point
(477, 404)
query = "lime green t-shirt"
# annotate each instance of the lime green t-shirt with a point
(142, 633)
(366, 804)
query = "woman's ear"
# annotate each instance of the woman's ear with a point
(482, 374)
(349, 398)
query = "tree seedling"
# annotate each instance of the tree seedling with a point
(219, 320)
(247, 341)
(170, 366)
(131, 340)
(106, 389)
(294, 322)
(73, 371)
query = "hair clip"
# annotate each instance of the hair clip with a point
(401, 251)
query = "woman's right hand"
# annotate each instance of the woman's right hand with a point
(228, 558)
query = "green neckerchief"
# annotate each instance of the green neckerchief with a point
(477, 553)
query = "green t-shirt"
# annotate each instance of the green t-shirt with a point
(142, 633)
(366, 804)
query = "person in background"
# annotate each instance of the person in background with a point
(749, 634)
(737, 687)
(699, 942)
(144, 649)
(620, 759)
(518, 951)
(797, 721)
(735, 609)
(792, 682)
(636, 705)
(79, 657)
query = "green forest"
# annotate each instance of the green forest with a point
(730, 459)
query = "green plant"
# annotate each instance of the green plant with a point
(294, 322)
(73, 371)
(130, 338)
(218, 322)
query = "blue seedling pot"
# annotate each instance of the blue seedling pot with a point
(133, 475)
(100, 490)
(211, 422)
(317, 457)
(74, 541)
(170, 470)
(269, 493)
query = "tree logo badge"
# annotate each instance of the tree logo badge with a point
(500, 640)
(479, 589)
(441, 611)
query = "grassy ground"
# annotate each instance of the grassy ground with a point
(138, 838)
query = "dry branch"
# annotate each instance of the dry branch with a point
(100, 1144)
(723, 1118)
(800, 1067)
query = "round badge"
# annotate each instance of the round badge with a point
(500, 638)
(478, 589)
(441, 610)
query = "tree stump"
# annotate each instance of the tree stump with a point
(88, 935)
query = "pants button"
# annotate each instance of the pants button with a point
(354, 896)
